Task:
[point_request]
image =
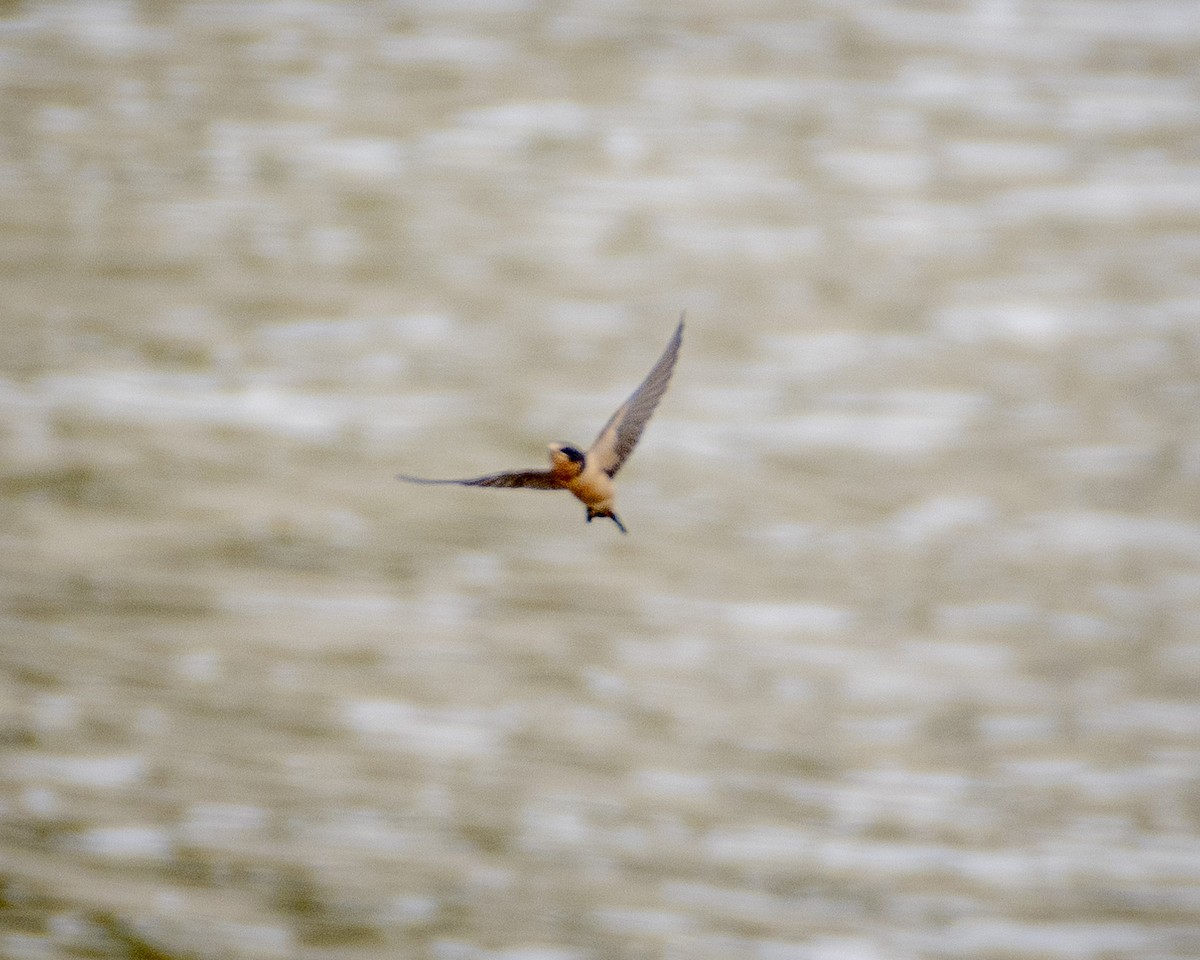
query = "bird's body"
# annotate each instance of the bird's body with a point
(586, 481)
(589, 476)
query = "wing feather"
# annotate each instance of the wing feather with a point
(620, 435)
(527, 479)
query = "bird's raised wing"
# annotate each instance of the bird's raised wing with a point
(616, 441)
(528, 479)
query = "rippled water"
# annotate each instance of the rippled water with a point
(900, 658)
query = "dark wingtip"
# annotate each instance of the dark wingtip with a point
(410, 479)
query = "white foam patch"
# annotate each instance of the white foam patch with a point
(164, 399)
(953, 618)
(362, 830)
(990, 937)
(126, 843)
(673, 785)
(448, 733)
(1099, 533)
(884, 170)
(1029, 324)
(788, 617)
(539, 953)
(1103, 202)
(477, 137)
(1000, 160)
(940, 517)
(114, 772)
(765, 844)
(359, 607)
(362, 159)
(643, 923)
(883, 434)
(819, 354)
(222, 822)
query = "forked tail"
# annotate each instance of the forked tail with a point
(592, 514)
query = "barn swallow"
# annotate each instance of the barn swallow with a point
(589, 476)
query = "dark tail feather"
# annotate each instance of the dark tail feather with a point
(592, 514)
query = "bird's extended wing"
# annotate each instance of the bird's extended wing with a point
(616, 440)
(529, 479)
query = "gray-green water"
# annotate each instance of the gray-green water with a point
(900, 658)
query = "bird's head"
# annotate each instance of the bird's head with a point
(566, 457)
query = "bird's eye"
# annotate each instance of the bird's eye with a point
(572, 454)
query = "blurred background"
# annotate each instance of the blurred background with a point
(899, 658)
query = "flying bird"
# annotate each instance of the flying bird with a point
(589, 476)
